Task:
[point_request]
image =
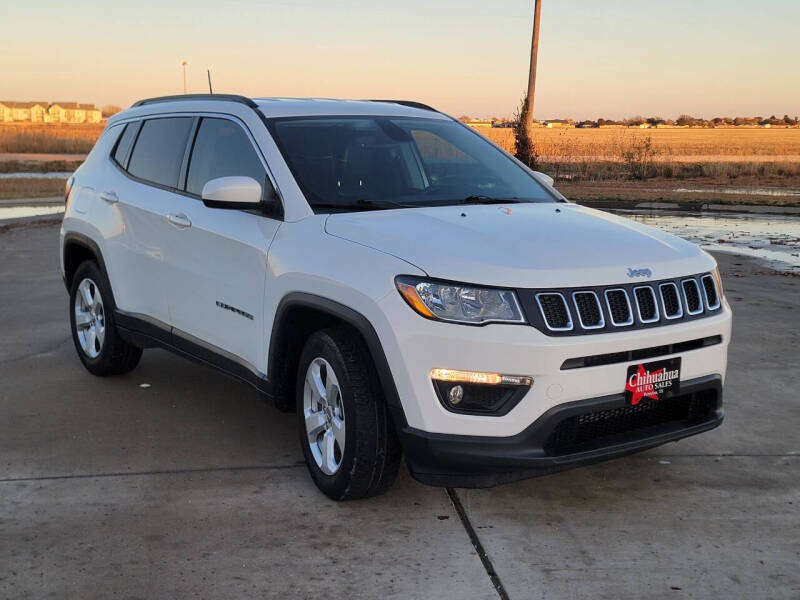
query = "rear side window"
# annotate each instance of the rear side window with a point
(124, 145)
(159, 150)
(222, 149)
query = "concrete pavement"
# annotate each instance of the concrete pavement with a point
(192, 486)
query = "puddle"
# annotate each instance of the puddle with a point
(774, 239)
(776, 192)
(16, 212)
(48, 175)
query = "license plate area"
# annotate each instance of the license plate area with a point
(654, 380)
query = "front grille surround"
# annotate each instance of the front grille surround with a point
(670, 285)
(648, 290)
(600, 322)
(589, 310)
(711, 295)
(691, 295)
(547, 312)
(612, 292)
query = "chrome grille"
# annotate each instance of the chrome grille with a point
(603, 309)
(555, 311)
(670, 300)
(710, 290)
(619, 307)
(646, 304)
(691, 296)
(587, 305)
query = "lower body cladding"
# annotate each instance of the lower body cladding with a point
(572, 409)
(567, 435)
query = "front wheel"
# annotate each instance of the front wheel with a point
(348, 440)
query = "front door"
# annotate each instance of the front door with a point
(217, 258)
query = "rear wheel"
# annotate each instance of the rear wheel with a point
(348, 440)
(100, 348)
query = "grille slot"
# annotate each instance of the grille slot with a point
(646, 304)
(670, 300)
(619, 307)
(587, 305)
(592, 430)
(640, 354)
(691, 295)
(555, 311)
(710, 289)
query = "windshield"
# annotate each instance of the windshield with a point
(364, 163)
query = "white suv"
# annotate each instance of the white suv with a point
(400, 282)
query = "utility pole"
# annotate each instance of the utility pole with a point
(184, 64)
(537, 12)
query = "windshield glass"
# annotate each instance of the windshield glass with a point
(363, 163)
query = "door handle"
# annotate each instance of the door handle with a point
(110, 197)
(180, 220)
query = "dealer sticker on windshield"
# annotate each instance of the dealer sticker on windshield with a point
(654, 380)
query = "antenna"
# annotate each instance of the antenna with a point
(208, 71)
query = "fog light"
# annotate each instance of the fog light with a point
(455, 394)
(478, 392)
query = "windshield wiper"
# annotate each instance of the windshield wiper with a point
(478, 199)
(362, 205)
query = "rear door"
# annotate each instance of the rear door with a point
(150, 155)
(217, 258)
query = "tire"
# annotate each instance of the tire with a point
(369, 462)
(94, 333)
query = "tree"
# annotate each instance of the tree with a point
(526, 148)
(109, 110)
(465, 118)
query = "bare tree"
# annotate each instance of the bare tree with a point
(109, 110)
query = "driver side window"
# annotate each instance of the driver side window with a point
(222, 149)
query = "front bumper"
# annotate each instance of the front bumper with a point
(545, 446)
(414, 345)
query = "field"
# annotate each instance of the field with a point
(752, 165)
(49, 138)
(730, 165)
(679, 143)
(31, 188)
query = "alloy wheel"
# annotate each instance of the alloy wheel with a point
(90, 318)
(323, 412)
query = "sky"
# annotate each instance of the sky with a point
(610, 59)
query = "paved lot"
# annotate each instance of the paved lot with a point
(193, 487)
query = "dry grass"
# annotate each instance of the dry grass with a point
(17, 166)
(48, 138)
(606, 143)
(31, 188)
(623, 154)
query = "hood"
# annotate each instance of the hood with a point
(522, 245)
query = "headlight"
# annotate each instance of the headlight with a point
(718, 280)
(460, 303)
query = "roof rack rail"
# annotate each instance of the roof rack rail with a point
(410, 104)
(226, 97)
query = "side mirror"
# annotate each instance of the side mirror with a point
(232, 192)
(544, 178)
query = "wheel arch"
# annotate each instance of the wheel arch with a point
(298, 315)
(78, 248)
